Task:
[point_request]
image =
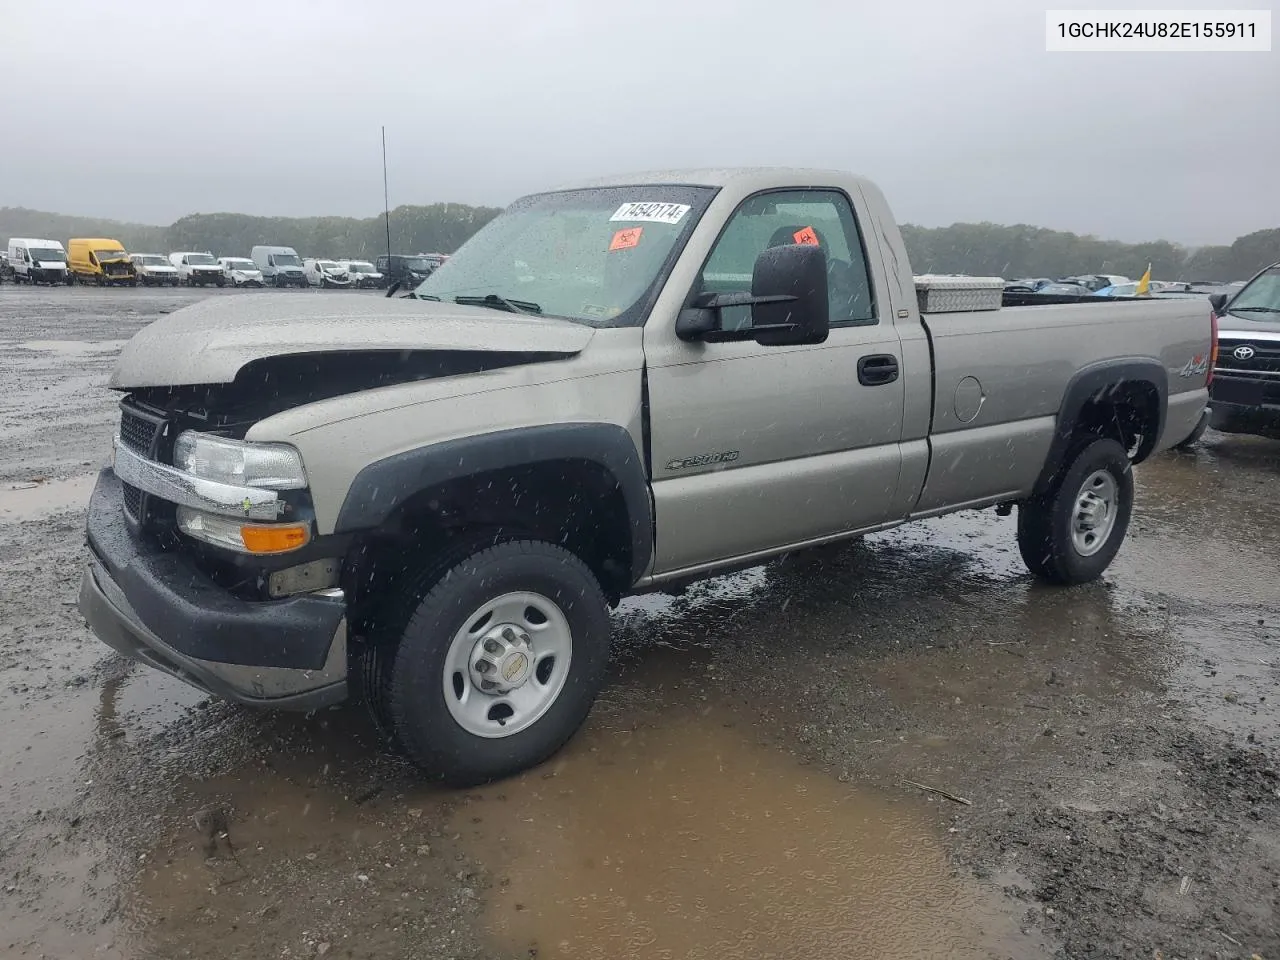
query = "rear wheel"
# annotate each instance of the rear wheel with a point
(498, 665)
(1072, 532)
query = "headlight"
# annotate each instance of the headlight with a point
(273, 466)
(241, 536)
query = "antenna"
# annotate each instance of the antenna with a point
(386, 202)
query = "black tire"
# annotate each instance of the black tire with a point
(411, 695)
(1194, 437)
(1045, 523)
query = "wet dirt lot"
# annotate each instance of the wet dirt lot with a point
(748, 785)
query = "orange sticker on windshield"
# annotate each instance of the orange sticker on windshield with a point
(806, 237)
(626, 239)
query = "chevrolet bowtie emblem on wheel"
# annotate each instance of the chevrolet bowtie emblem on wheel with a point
(1243, 353)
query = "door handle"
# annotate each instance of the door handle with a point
(877, 369)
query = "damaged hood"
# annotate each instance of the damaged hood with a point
(210, 341)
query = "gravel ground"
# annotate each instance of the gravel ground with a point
(748, 784)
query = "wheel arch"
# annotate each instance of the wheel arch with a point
(1139, 385)
(386, 487)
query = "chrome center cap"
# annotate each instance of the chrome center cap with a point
(502, 659)
(515, 668)
(1093, 512)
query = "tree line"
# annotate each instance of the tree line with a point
(982, 249)
(995, 250)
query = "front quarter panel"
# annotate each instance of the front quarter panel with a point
(341, 436)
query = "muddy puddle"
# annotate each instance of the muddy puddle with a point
(682, 838)
(664, 830)
(33, 499)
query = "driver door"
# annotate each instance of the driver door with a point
(756, 448)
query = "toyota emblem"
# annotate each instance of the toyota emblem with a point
(1243, 353)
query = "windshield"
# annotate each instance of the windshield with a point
(103, 255)
(593, 256)
(1260, 300)
(150, 260)
(286, 260)
(421, 264)
(327, 265)
(241, 265)
(200, 260)
(360, 266)
(47, 253)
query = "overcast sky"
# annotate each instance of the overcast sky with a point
(150, 110)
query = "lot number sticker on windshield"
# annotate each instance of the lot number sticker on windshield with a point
(649, 212)
(806, 237)
(626, 239)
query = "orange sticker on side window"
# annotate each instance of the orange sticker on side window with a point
(626, 239)
(805, 237)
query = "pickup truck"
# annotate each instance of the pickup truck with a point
(432, 501)
(1245, 394)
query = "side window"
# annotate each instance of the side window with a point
(824, 217)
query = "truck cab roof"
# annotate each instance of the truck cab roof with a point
(748, 178)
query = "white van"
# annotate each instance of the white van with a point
(38, 261)
(240, 272)
(326, 273)
(280, 266)
(197, 269)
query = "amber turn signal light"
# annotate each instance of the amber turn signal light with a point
(274, 538)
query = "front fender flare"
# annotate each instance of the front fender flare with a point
(384, 485)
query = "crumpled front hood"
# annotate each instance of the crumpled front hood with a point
(210, 341)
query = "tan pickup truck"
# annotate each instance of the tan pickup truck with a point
(622, 386)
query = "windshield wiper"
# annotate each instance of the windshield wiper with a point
(502, 303)
(1253, 310)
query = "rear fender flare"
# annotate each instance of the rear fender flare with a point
(1090, 383)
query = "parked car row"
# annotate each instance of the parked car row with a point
(105, 262)
(1112, 285)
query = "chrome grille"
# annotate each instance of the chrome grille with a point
(1262, 357)
(138, 431)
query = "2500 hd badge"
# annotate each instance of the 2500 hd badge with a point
(703, 460)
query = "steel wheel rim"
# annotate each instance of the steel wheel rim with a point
(499, 634)
(1093, 514)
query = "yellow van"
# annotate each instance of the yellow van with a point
(100, 261)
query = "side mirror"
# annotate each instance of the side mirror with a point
(1218, 301)
(788, 302)
(789, 285)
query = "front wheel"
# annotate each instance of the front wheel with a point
(499, 663)
(1072, 532)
